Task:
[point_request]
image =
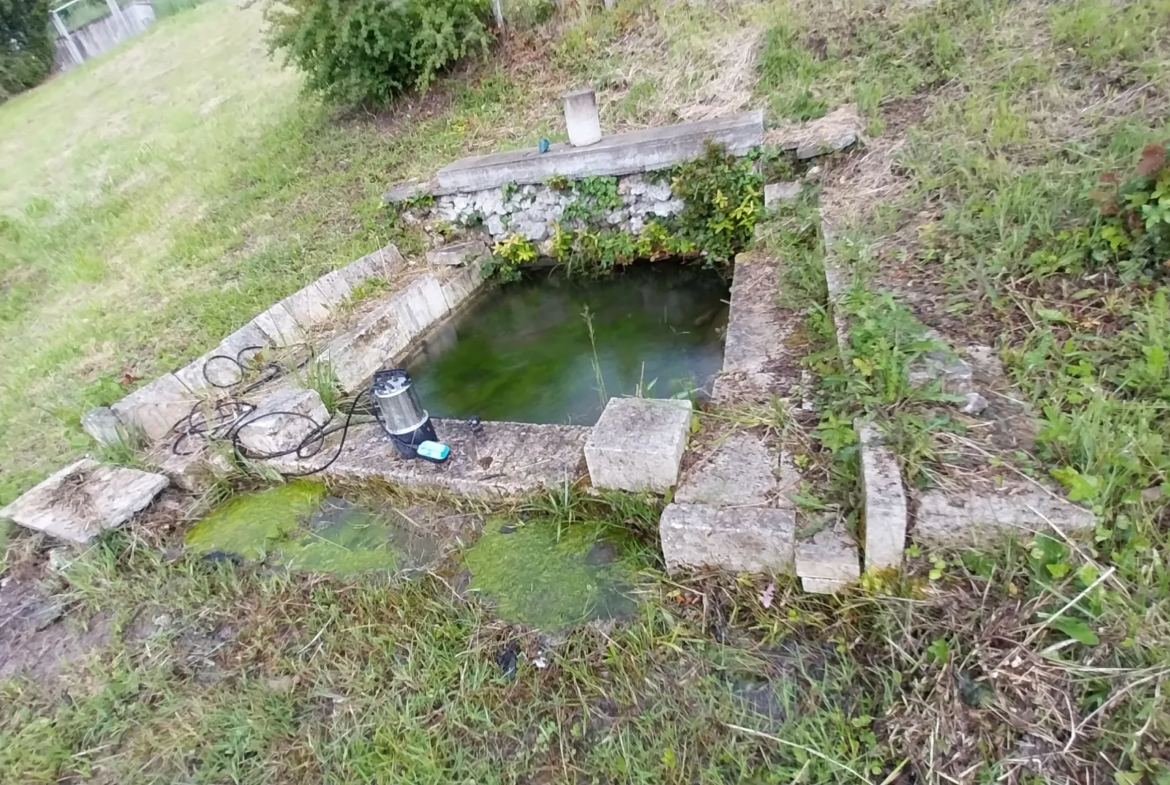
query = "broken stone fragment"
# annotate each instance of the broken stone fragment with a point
(84, 499)
(775, 193)
(975, 517)
(884, 501)
(103, 425)
(156, 408)
(830, 554)
(456, 254)
(973, 403)
(832, 133)
(282, 422)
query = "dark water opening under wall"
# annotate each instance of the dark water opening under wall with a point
(552, 349)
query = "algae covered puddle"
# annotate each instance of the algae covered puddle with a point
(533, 573)
(551, 349)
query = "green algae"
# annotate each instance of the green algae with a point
(300, 526)
(254, 524)
(550, 577)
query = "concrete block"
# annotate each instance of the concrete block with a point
(421, 304)
(830, 554)
(638, 443)
(308, 306)
(462, 285)
(382, 264)
(582, 119)
(974, 517)
(84, 499)
(282, 422)
(750, 539)
(157, 407)
(775, 193)
(375, 341)
(738, 471)
(103, 425)
(832, 133)
(213, 370)
(410, 189)
(822, 585)
(884, 502)
(629, 153)
(279, 327)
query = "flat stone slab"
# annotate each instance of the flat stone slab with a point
(103, 425)
(156, 408)
(629, 153)
(736, 471)
(464, 253)
(776, 193)
(822, 585)
(283, 421)
(84, 499)
(884, 501)
(747, 539)
(976, 517)
(501, 459)
(757, 360)
(830, 554)
(638, 444)
(832, 133)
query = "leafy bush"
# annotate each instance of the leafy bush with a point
(1134, 231)
(724, 199)
(26, 48)
(368, 51)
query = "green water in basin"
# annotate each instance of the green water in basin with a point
(525, 352)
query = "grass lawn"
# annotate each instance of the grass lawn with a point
(153, 200)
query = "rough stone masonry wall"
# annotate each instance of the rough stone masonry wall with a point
(532, 211)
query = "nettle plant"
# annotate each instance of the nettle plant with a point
(1134, 232)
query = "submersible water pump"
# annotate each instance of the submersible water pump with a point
(402, 417)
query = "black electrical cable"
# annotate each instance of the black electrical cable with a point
(227, 417)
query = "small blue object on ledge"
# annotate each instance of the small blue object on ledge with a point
(434, 452)
(545, 144)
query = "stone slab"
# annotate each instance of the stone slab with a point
(156, 408)
(830, 554)
(737, 471)
(212, 371)
(421, 304)
(309, 306)
(409, 189)
(377, 339)
(750, 539)
(757, 361)
(629, 153)
(195, 469)
(282, 422)
(279, 326)
(84, 499)
(975, 517)
(103, 425)
(638, 443)
(832, 133)
(500, 459)
(335, 289)
(383, 264)
(462, 284)
(469, 252)
(884, 501)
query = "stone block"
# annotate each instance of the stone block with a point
(830, 554)
(822, 585)
(355, 355)
(832, 133)
(103, 425)
(468, 253)
(462, 285)
(279, 326)
(775, 193)
(218, 368)
(629, 153)
(973, 517)
(884, 501)
(156, 408)
(420, 304)
(750, 539)
(336, 290)
(195, 469)
(638, 443)
(84, 499)
(382, 264)
(308, 306)
(282, 422)
(738, 471)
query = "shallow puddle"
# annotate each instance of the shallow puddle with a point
(551, 349)
(300, 526)
(537, 575)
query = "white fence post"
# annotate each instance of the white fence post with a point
(63, 31)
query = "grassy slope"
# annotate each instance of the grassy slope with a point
(1008, 113)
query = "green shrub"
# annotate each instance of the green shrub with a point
(369, 51)
(26, 48)
(1134, 232)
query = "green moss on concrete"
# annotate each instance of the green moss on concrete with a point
(549, 578)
